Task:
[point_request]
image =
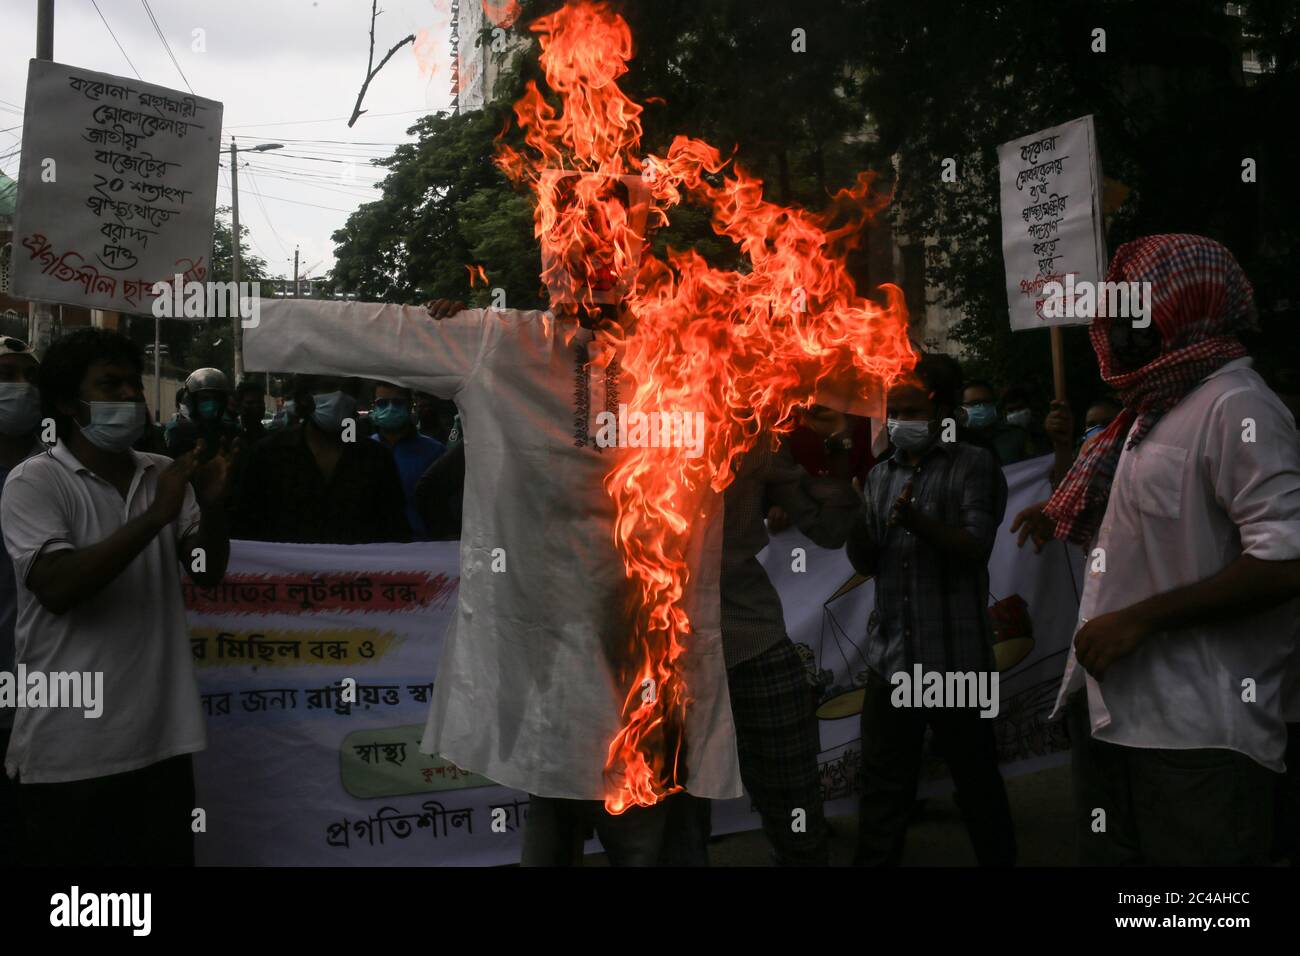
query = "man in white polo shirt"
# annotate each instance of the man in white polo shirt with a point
(97, 533)
(1189, 506)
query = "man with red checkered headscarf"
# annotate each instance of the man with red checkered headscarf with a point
(1188, 505)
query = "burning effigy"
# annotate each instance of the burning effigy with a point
(744, 348)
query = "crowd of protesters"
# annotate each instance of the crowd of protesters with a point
(1190, 531)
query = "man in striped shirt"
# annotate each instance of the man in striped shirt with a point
(930, 513)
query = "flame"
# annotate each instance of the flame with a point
(476, 275)
(744, 348)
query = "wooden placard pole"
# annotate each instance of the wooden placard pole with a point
(1058, 362)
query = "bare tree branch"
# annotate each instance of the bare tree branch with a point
(371, 72)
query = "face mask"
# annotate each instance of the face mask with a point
(981, 415)
(114, 426)
(391, 417)
(20, 408)
(909, 436)
(1020, 418)
(331, 408)
(1092, 431)
(210, 410)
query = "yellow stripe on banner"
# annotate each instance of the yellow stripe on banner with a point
(214, 647)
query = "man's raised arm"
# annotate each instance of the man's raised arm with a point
(396, 343)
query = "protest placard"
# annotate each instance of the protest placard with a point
(116, 191)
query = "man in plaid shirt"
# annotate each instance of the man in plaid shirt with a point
(930, 512)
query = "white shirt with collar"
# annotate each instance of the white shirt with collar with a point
(134, 631)
(1190, 499)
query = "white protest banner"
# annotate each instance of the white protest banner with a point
(304, 768)
(116, 191)
(1051, 218)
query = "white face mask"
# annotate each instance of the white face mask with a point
(20, 408)
(331, 409)
(115, 426)
(907, 435)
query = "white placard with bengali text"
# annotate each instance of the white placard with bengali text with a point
(116, 191)
(1051, 216)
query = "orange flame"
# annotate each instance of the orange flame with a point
(476, 275)
(743, 348)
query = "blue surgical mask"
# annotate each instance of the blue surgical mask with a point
(908, 435)
(1092, 431)
(391, 416)
(981, 415)
(115, 426)
(20, 408)
(331, 409)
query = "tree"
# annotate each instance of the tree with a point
(1174, 121)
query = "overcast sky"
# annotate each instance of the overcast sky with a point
(286, 71)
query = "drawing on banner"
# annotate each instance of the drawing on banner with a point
(116, 197)
(1013, 631)
(842, 696)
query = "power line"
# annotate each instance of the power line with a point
(342, 191)
(342, 142)
(116, 40)
(330, 119)
(299, 203)
(307, 177)
(261, 254)
(267, 216)
(166, 46)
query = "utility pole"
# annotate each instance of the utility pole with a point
(295, 272)
(45, 29)
(237, 324)
(39, 315)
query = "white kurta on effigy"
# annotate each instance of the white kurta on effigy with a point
(526, 693)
